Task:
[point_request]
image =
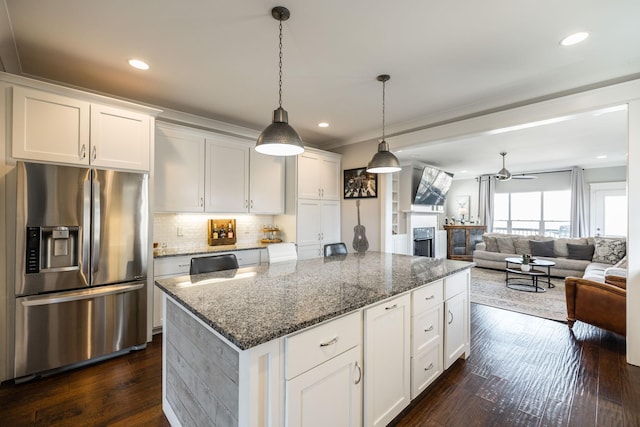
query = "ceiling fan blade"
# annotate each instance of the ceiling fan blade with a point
(523, 176)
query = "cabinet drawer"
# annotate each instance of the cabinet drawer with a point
(425, 367)
(178, 265)
(455, 284)
(312, 347)
(426, 327)
(426, 297)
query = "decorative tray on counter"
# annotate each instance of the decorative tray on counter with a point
(213, 237)
(271, 235)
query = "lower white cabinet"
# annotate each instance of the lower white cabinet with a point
(456, 315)
(324, 374)
(318, 224)
(386, 360)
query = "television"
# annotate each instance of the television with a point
(431, 186)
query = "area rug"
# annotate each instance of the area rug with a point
(488, 288)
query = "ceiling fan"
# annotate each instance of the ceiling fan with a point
(504, 174)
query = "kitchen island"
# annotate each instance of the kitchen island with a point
(230, 337)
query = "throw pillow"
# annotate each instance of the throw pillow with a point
(522, 245)
(560, 245)
(583, 252)
(542, 248)
(505, 245)
(622, 263)
(490, 243)
(608, 250)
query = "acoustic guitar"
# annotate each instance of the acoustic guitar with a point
(360, 242)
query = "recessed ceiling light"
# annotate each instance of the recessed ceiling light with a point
(139, 64)
(464, 171)
(323, 124)
(574, 38)
(602, 156)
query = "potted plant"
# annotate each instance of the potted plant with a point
(526, 259)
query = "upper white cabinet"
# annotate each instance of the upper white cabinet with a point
(318, 176)
(215, 173)
(179, 171)
(55, 128)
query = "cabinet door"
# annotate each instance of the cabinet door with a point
(455, 328)
(50, 127)
(309, 169)
(330, 178)
(266, 183)
(330, 215)
(309, 225)
(426, 366)
(327, 395)
(387, 360)
(179, 171)
(227, 177)
(119, 138)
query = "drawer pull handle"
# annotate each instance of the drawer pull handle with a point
(328, 343)
(393, 307)
(429, 329)
(430, 367)
(183, 265)
(359, 373)
(431, 297)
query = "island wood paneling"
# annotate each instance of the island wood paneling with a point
(189, 347)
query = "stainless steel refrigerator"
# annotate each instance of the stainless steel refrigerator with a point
(81, 265)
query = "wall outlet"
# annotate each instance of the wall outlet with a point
(180, 231)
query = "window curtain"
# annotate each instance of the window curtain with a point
(486, 192)
(578, 227)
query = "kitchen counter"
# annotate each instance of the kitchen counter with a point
(171, 252)
(253, 305)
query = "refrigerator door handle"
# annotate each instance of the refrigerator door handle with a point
(86, 229)
(61, 297)
(95, 233)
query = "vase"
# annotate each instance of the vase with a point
(525, 267)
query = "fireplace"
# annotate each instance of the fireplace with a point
(423, 241)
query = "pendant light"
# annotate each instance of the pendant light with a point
(280, 139)
(503, 174)
(383, 161)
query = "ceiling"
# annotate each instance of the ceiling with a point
(446, 60)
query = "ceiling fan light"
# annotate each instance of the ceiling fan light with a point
(383, 161)
(279, 139)
(503, 175)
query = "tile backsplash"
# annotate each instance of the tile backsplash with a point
(193, 229)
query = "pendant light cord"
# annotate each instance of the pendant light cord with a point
(383, 96)
(280, 67)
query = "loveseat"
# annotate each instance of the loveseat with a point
(588, 256)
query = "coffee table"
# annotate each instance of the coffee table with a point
(539, 268)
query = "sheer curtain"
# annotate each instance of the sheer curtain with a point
(578, 227)
(486, 191)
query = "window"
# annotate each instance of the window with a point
(536, 212)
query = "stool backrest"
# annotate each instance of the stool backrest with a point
(212, 263)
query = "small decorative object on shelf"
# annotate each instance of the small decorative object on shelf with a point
(271, 234)
(221, 234)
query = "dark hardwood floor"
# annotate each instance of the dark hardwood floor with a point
(524, 371)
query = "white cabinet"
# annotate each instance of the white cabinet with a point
(426, 336)
(239, 179)
(318, 224)
(386, 360)
(179, 171)
(456, 315)
(55, 128)
(318, 176)
(324, 374)
(198, 171)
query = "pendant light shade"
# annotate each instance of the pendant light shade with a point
(279, 138)
(383, 161)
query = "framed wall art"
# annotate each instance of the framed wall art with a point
(360, 184)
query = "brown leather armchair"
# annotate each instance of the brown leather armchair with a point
(600, 304)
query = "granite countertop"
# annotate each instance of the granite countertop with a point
(171, 252)
(254, 305)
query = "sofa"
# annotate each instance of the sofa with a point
(586, 257)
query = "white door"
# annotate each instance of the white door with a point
(387, 360)
(309, 225)
(179, 171)
(609, 209)
(266, 184)
(330, 178)
(455, 328)
(227, 177)
(50, 127)
(330, 221)
(328, 395)
(309, 176)
(119, 138)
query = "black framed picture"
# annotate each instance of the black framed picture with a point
(360, 184)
